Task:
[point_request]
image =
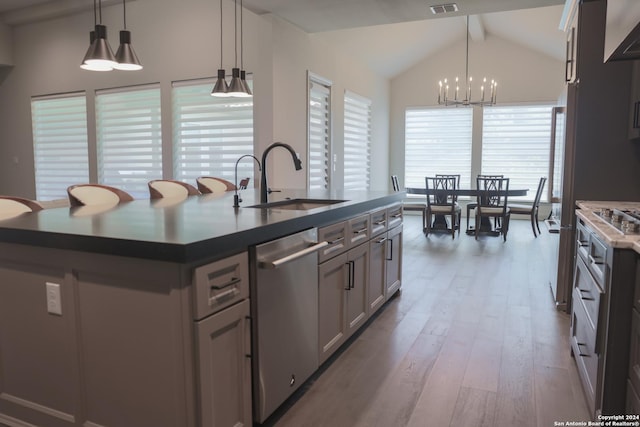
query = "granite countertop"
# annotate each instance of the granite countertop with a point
(605, 231)
(183, 230)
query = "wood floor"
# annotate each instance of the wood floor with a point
(472, 339)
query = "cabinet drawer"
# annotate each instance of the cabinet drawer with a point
(394, 216)
(220, 284)
(583, 343)
(378, 221)
(598, 259)
(336, 235)
(358, 230)
(636, 299)
(587, 293)
(582, 241)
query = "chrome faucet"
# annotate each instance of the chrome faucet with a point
(264, 190)
(236, 197)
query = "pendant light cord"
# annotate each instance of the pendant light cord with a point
(241, 39)
(221, 34)
(95, 14)
(235, 30)
(467, 70)
(124, 13)
(100, 6)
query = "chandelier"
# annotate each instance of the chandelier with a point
(487, 95)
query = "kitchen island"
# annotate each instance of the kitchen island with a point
(106, 317)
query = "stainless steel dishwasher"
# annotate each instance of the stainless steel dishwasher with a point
(284, 318)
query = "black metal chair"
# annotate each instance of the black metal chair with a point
(442, 202)
(531, 210)
(492, 203)
(411, 206)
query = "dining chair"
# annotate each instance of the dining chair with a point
(531, 210)
(160, 188)
(96, 194)
(442, 202)
(456, 177)
(473, 205)
(212, 184)
(11, 207)
(492, 203)
(411, 206)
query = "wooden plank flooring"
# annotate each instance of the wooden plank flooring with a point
(473, 339)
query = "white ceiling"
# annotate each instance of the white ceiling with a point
(389, 35)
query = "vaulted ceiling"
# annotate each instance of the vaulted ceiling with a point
(389, 35)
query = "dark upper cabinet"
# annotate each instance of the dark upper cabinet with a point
(634, 102)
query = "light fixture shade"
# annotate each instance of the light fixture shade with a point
(126, 56)
(245, 85)
(221, 88)
(235, 87)
(99, 57)
(92, 38)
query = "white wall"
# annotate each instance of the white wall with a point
(6, 39)
(522, 75)
(179, 41)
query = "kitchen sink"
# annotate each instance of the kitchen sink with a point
(298, 204)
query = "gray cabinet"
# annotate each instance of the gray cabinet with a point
(602, 304)
(633, 382)
(223, 342)
(377, 272)
(224, 368)
(634, 102)
(393, 273)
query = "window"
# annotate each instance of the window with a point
(516, 144)
(437, 141)
(357, 141)
(59, 144)
(210, 134)
(129, 138)
(319, 122)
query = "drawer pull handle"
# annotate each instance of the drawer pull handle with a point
(223, 295)
(398, 215)
(581, 354)
(381, 222)
(581, 244)
(586, 297)
(333, 242)
(362, 230)
(381, 240)
(597, 261)
(233, 281)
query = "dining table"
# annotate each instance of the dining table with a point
(440, 221)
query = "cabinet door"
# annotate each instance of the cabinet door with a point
(634, 103)
(634, 353)
(225, 368)
(357, 302)
(333, 280)
(377, 272)
(394, 261)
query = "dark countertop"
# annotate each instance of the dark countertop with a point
(200, 227)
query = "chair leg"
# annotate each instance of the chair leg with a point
(424, 221)
(533, 225)
(427, 224)
(505, 227)
(453, 226)
(459, 222)
(537, 222)
(477, 223)
(468, 215)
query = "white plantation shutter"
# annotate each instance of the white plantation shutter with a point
(59, 143)
(210, 134)
(516, 144)
(319, 133)
(129, 138)
(437, 141)
(357, 141)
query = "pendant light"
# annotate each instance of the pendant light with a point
(236, 88)
(99, 56)
(126, 56)
(243, 75)
(221, 88)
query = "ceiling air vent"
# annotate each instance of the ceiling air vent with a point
(444, 8)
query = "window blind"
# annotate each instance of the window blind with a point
(128, 132)
(437, 141)
(59, 143)
(319, 134)
(516, 143)
(210, 134)
(357, 142)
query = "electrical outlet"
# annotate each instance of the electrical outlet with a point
(54, 301)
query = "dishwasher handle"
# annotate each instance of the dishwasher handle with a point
(269, 265)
